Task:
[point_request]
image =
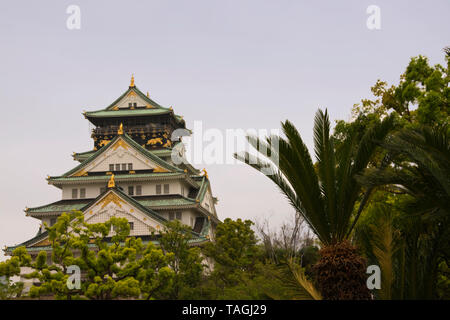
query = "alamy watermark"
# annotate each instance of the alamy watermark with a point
(73, 21)
(214, 146)
(374, 20)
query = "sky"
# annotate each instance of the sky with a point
(230, 64)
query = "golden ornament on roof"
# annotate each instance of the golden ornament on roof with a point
(111, 182)
(120, 131)
(148, 95)
(205, 173)
(132, 80)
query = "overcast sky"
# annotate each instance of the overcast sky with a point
(230, 64)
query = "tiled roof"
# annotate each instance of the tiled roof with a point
(118, 177)
(132, 143)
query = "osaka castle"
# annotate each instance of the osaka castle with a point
(130, 173)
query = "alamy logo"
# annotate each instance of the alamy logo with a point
(374, 20)
(74, 280)
(374, 280)
(73, 22)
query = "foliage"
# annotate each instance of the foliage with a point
(324, 193)
(113, 264)
(185, 261)
(421, 169)
(9, 269)
(234, 252)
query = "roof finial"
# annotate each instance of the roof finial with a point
(111, 182)
(205, 174)
(148, 95)
(132, 80)
(120, 131)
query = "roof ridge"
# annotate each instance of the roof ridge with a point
(129, 199)
(140, 93)
(134, 144)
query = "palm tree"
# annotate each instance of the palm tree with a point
(421, 169)
(325, 194)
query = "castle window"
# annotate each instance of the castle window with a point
(130, 105)
(158, 189)
(135, 104)
(171, 215)
(111, 167)
(138, 190)
(52, 221)
(74, 193)
(166, 188)
(124, 166)
(82, 193)
(130, 166)
(117, 166)
(130, 190)
(131, 225)
(178, 215)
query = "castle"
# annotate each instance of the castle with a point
(130, 173)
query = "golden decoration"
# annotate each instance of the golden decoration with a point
(148, 95)
(120, 131)
(120, 143)
(116, 108)
(132, 80)
(196, 200)
(148, 106)
(109, 173)
(111, 182)
(168, 144)
(81, 173)
(132, 108)
(44, 242)
(185, 170)
(159, 169)
(111, 197)
(132, 172)
(171, 108)
(131, 210)
(157, 227)
(103, 142)
(155, 141)
(205, 173)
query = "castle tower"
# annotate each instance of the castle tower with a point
(130, 173)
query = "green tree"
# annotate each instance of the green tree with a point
(185, 261)
(113, 264)
(421, 170)
(234, 253)
(9, 269)
(325, 194)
